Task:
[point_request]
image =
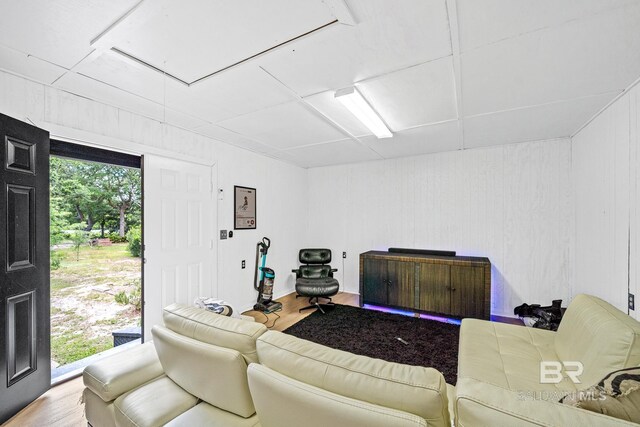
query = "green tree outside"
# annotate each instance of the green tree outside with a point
(93, 194)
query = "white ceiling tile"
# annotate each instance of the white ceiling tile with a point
(180, 38)
(225, 135)
(586, 57)
(421, 140)
(182, 120)
(326, 103)
(242, 90)
(556, 120)
(483, 22)
(284, 126)
(530, 69)
(286, 157)
(57, 31)
(29, 66)
(389, 36)
(126, 74)
(333, 153)
(96, 90)
(415, 96)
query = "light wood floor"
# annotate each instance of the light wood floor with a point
(290, 306)
(61, 406)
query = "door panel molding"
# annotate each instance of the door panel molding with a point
(20, 155)
(21, 336)
(20, 230)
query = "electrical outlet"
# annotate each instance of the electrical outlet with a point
(223, 234)
(344, 254)
(632, 302)
(244, 263)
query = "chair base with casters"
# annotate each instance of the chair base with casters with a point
(314, 279)
(317, 304)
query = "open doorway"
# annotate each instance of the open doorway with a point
(96, 255)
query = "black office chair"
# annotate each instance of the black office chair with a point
(314, 279)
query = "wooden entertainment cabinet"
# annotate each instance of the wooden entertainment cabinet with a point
(457, 286)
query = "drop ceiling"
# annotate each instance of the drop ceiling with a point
(443, 74)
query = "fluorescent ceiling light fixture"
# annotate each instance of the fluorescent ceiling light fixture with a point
(359, 107)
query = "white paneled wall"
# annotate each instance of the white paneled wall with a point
(282, 203)
(510, 203)
(634, 199)
(607, 203)
(281, 216)
(555, 217)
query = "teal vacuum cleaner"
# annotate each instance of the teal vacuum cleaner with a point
(265, 302)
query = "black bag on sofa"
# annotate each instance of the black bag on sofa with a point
(541, 317)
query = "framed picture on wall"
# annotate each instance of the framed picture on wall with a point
(244, 205)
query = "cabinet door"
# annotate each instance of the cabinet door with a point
(375, 281)
(467, 291)
(435, 289)
(401, 280)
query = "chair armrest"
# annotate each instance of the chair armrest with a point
(122, 372)
(333, 270)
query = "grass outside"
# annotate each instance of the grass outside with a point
(84, 310)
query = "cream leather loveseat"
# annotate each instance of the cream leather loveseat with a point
(499, 366)
(207, 370)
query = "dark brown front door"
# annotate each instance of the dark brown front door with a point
(25, 367)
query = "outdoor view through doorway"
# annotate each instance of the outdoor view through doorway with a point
(96, 286)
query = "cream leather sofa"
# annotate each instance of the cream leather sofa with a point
(207, 370)
(499, 366)
(300, 383)
(194, 370)
(202, 370)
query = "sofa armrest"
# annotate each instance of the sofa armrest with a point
(124, 371)
(479, 403)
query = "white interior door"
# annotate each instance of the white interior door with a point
(180, 219)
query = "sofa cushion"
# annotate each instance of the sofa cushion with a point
(205, 415)
(153, 404)
(508, 356)
(590, 325)
(215, 329)
(214, 374)
(282, 401)
(414, 389)
(121, 372)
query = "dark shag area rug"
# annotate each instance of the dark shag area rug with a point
(374, 334)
